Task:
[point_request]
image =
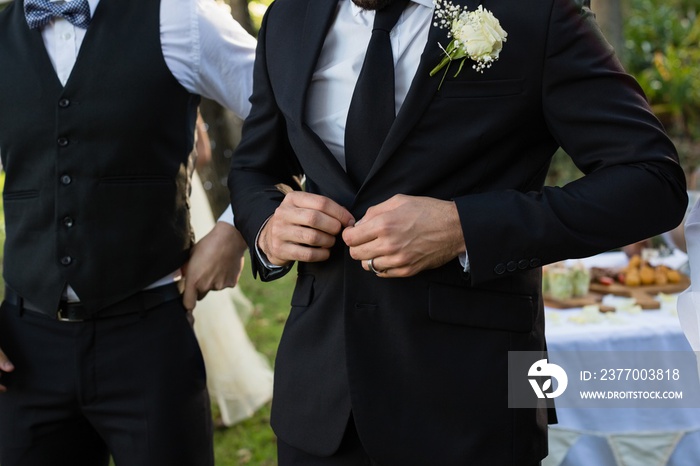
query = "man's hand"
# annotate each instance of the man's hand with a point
(406, 235)
(5, 366)
(215, 263)
(303, 228)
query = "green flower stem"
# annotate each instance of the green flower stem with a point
(445, 61)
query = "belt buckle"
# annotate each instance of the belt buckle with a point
(62, 313)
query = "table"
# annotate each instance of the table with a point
(621, 436)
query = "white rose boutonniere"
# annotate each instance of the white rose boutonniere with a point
(476, 35)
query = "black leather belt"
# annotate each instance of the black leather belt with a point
(77, 312)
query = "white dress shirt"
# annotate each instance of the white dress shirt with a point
(341, 60)
(206, 50)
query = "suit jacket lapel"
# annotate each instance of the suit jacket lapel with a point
(319, 16)
(318, 19)
(422, 90)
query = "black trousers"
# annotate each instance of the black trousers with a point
(132, 386)
(350, 453)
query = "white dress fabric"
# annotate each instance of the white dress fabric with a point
(689, 300)
(239, 378)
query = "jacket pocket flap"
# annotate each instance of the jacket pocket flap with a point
(482, 309)
(481, 89)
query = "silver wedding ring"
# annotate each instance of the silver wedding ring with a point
(370, 264)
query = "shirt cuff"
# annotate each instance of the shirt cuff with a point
(464, 260)
(261, 255)
(228, 217)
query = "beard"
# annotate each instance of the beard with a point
(372, 4)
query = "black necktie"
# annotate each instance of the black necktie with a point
(372, 108)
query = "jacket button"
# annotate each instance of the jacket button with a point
(535, 262)
(66, 260)
(66, 179)
(62, 142)
(63, 103)
(499, 269)
(67, 222)
(512, 266)
(523, 264)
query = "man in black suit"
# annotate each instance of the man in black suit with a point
(98, 100)
(418, 275)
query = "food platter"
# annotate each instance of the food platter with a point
(610, 274)
(579, 301)
(644, 295)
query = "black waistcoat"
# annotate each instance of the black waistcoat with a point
(96, 181)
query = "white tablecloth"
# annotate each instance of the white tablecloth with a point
(621, 436)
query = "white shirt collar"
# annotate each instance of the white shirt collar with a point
(356, 10)
(92, 3)
(425, 3)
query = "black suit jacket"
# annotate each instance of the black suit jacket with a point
(421, 361)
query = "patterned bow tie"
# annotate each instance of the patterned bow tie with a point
(40, 12)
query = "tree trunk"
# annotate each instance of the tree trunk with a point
(609, 16)
(224, 132)
(239, 11)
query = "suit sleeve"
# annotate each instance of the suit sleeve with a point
(633, 187)
(263, 159)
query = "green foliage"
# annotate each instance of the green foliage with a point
(662, 38)
(257, 8)
(562, 170)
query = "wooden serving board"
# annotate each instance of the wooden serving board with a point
(643, 294)
(579, 301)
